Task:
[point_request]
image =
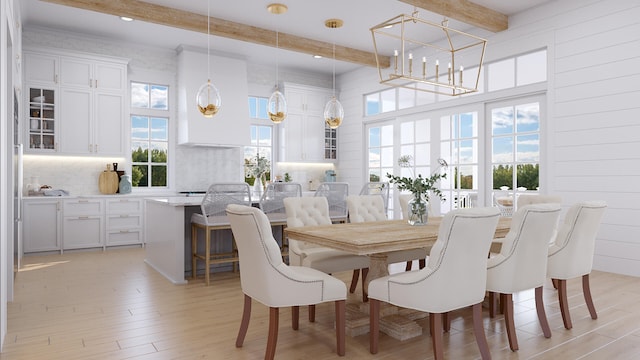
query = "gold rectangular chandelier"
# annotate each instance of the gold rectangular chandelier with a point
(450, 66)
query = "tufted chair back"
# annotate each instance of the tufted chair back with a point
(571, 254)
(366, 208)
(380, 188)
(304, 211)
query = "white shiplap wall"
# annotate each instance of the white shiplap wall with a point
(592, 129)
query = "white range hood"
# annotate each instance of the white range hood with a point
(230, 126)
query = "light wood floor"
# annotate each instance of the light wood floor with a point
(111, 305)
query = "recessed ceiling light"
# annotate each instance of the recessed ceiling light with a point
(317, 56)
(277, 8)
(125, 18)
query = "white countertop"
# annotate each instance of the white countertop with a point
(178, 200)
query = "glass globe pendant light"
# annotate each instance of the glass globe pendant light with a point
(277, 105)
(208, 97)
(333, 111)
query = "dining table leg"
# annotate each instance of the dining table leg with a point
(378, 268)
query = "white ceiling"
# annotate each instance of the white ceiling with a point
(304, 18)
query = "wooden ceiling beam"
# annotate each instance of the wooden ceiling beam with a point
(163, 15)
(465, 11)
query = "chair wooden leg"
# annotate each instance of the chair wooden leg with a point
(509, 323)
(493, 304)
(564, 305)
(194, 251)
(207, 256)
(501, 304)
(555, 283)
(542, 315)
(341, 316)
(422, 263)
(295, 317)
(374, 325)
(354, 280)
(436, 335)
(478, 331)
(244, 324)
(274, 313)
(365, 296)
(446, 322)
(408, 266)
(586, 290)
(312, 313)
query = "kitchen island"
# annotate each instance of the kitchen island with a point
(168, 234)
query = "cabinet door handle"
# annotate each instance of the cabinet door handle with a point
(90, 82)
(90, 148)
(83, 218)
(96, 83)
(55, 78)
(124, 216)
(124, 231)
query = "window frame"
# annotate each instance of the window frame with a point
(151, 113)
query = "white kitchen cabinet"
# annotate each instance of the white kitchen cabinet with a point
(230, 126)
(91, 102)
(124, 219)
(41, 68)
(304, 132)
(42, 226)
(83, 223)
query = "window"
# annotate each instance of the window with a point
(380, 158)
(508, 73)
(149, 135)
(515, 134)
(459, 147)
(261, 137)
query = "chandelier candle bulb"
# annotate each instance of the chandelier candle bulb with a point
(410, 63)
(437, 69)
(449, 73)
(461, 70)
(395, 56)
(424, 67)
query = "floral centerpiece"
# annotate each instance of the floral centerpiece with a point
(257, 167)
(420, 187)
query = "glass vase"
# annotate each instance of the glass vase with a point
(257, 186)
(417, 209)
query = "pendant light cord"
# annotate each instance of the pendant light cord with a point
(277, 50)
(209, 40)
(334, 64)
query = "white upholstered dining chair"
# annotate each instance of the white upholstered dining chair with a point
(377, 188)
(455, 277)
(213, 217)
(522, 263)
(267, 279)
(310, 211)
(571, 253)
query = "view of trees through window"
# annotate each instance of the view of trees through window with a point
(515, 133)
(149, 135)
(260, 151)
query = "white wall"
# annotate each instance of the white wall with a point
(592, 126)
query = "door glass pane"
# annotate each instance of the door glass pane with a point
(528, 117)
(502, 149)
(501, 75)
(387, 135)
(502, 121)
(528, 148)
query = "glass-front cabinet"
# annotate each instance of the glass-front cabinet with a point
(330, 143)
(42, 119)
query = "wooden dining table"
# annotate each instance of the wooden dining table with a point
(377, 239)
